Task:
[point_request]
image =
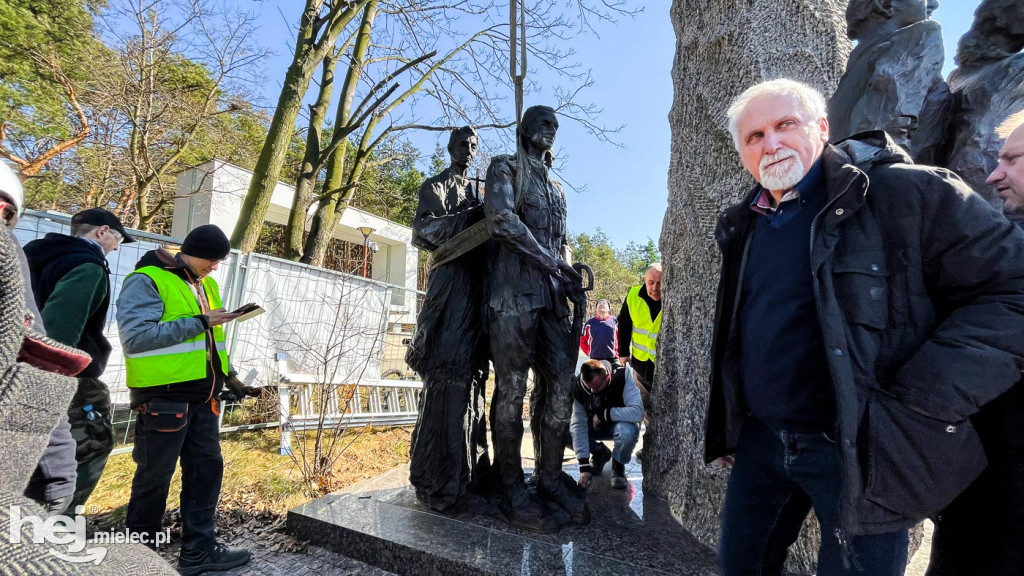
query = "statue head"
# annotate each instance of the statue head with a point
(1008, 177)
(462, 147)
(870, 18)
(780, 129)
(538, 128)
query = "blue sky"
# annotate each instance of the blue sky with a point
(626, 187)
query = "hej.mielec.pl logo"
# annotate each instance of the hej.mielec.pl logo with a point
(68, 533)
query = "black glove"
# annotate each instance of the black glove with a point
(236, 391)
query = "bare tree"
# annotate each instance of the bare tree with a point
(183, 63)
(462, 80)
(337, 350)
(423, 65)
(321, 24)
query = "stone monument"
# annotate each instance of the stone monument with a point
(448, 453)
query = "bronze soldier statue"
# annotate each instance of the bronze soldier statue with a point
(529, 321)
(449, 455)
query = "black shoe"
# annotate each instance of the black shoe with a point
(58, 506)
(568, 496)
(217, 557)
(618, 475)
(598, 459)
(523, 512)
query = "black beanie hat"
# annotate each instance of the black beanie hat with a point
(207, 242)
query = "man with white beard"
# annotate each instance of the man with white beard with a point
(867, 308)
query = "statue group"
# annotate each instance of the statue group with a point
(506, 301)
(893, 82)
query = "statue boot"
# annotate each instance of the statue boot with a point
(564, 492)
(524, 512)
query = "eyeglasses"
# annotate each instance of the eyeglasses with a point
(117, 235)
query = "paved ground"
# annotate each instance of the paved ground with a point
(313, 561)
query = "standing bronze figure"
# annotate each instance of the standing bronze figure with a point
(449, 350)
(529, 320)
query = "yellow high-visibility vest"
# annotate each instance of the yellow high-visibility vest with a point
(644, 341)
(179, 362)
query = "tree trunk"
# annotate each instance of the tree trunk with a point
(316, 39)
(143, 216)
(722, 47)
(322, 229)
(311, 161)
(268, 166)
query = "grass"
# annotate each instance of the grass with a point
(256, 478)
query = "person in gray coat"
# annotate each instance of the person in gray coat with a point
(31, 400)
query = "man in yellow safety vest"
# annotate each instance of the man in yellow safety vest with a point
(639, 324)
(171, 321)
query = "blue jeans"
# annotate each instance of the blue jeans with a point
(623, 434)
(776, 479)
(161, 436)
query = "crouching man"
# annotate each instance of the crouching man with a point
(606, 406)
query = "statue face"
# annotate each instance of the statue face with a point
(1008, 177)
(463, 150)
(779, 141)
(539, 129)
(931, 6)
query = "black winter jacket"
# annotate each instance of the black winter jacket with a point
(50, 259)
(919, 286)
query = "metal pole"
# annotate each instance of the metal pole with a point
(366, 252)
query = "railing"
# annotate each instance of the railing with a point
(308, 403)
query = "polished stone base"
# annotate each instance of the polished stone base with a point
(389, 528)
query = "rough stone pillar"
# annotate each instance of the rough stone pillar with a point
(722, 47)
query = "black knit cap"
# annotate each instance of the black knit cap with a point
(207, 242)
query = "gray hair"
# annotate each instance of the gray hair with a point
(810, 100)
(653, 266)
(1011, 123)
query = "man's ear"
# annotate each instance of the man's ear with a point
(823, 128)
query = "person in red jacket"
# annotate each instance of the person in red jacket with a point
(599, 340)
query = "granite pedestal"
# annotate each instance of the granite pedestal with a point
(388, 528)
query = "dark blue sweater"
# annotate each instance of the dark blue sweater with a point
(786, 384)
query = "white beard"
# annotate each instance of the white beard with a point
(785, 176)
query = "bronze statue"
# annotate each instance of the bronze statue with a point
(530, 327)
(897, 63)
(448, 455)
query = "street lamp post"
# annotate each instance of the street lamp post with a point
(366, 231)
